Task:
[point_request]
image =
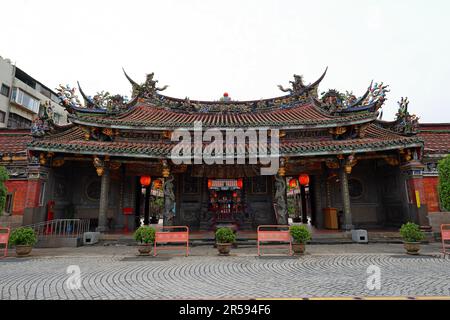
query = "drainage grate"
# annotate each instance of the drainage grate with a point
(413, 256)
(278, 257)
(146, 259)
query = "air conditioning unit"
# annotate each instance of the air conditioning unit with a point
(360, 236)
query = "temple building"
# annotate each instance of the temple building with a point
(367, 172)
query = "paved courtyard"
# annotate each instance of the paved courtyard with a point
(115, 272)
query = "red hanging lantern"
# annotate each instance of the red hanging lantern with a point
(293, 183)
(210, 183)
(145, 181)
(240, 183)
(303, 179)
(234, 194)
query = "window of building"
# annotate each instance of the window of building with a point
(26, 100)
(17, 122)
(5, 90)
(355, 188)
(2, 116)
(57, 118)
(93, 190)
(9, 203)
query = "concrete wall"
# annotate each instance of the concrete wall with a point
(6, 77)
(7, 71)
(436, 219)
(36, 93)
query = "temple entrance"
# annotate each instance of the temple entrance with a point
(301, 203)
(226, 205)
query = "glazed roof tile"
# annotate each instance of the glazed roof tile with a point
(149, 117)
(72, 141)
(14, 141)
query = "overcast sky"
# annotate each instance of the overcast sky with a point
(246, 48)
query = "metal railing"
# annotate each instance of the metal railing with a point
(63, 228)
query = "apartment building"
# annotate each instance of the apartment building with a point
(22, 98)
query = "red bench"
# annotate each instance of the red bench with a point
(4, 239)
(445, 235)
(274, 235)
(170, 236)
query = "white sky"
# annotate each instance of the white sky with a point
(204, 48)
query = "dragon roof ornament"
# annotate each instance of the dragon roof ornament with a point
(405, 123)
(336, 102)
(68, 98)
(44, 123)
(299, 88)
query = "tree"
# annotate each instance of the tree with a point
(3, 191)
(444, 182)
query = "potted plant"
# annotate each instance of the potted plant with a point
(145, 235)
(300, 235)
(23, 239)
(412, 235)
(225, 238)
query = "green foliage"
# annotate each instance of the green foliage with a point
(300, 234)
(444, 182)
(225, 235)
(23, 236)
(411, 232)
(145, 234)
(3, 191)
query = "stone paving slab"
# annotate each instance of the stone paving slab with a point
(326, 271)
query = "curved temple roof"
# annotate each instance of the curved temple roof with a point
(123, 122)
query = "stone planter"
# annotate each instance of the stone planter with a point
(145, 249)
(412, 247)
(298, 248)
(224, 248)
(23, 250)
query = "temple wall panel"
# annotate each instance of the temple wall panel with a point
(259, 200)
(19, 190)
(79, 185)
(377, 193)
(431, 193)
(189, 194)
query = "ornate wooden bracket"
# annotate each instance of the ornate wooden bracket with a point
(338, 131)
(44, 158)
(282, 168)
(99, 165)
(58, 162)
(350, 163)
(392, 161)
(332, 164)
(406, 155)
(165, 169)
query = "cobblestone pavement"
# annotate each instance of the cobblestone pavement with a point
(117, 273)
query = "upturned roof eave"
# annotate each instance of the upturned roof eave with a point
(328, 124)
(282, 154)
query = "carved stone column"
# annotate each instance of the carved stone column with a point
(345, 200)
(318, 201)
(281, 200)
(417, 201)
(104, 199)
(169, 201)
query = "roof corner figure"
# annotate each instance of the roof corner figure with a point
(146, 90)
(298, 86)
